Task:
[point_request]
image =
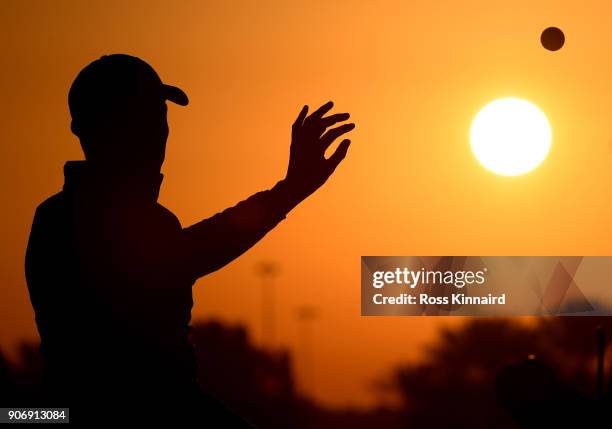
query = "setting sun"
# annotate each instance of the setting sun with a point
(510, 136)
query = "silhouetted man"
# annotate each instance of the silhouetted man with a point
(110, 270)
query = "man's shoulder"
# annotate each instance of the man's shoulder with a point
(55, 207)
(51, 206)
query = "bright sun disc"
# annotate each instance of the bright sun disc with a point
(510, 136)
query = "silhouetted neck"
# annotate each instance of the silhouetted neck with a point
(82, 177)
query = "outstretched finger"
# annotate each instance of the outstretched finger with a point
(338, 155)
(330, 120)
(331, 135)
(317, 114)
(300, 119)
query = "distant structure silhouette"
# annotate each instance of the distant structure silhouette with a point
(110, 270)
(268, 271)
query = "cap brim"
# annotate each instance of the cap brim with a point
(176, 95)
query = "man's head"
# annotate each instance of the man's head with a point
(118, 109)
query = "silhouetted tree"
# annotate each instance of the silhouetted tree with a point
(7, 387)
(455, 385)
(256, 383)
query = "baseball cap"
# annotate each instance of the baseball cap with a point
(113, 81)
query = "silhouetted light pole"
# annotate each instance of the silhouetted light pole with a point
(306, 315)
(268, 270)
(601, 358)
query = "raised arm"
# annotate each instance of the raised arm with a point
(214, 242)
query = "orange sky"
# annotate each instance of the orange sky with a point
(412, 74)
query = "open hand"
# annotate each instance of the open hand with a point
(308, 168)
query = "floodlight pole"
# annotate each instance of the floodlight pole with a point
(601, 354)
(306, 315)
(268, 270)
